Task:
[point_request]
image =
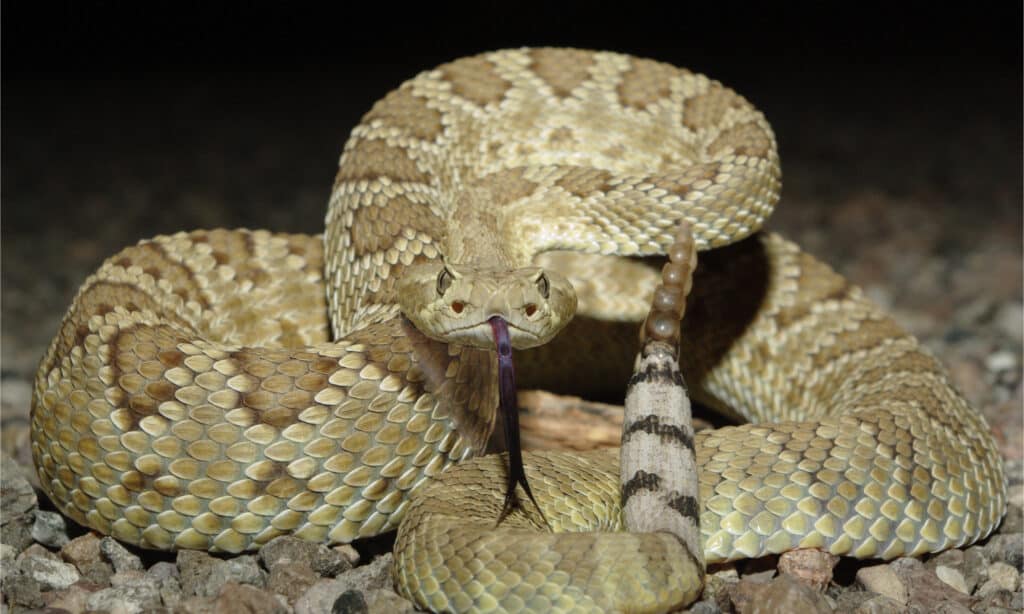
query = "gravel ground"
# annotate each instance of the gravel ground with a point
(922, 211)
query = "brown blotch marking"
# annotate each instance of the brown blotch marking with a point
(747, 139)
(615, 151)
(645, 82)
(910, 362)
(680, 184)
(379, 354)
(312, 382)
(801, 308)
(507, 185)
(709, 108)
(311, 249)
(404, 110)
(372, 159)
(141, 405)
(239, 252)
(582, 181)
(279, 469)
(561, 137)
(562, 69)
(868, 335)
(171, 358)
(99, 298)
(375, 228)
(161, 390)
(325, 365)
(476, 80)
(266, 405)
(136, 481)
(277, 417)
(153, 255)
(146, 403)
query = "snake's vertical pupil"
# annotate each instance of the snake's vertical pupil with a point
(543, 286)
(444, 281)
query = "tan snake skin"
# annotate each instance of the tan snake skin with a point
(193, 398)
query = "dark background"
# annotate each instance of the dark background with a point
(124, 120)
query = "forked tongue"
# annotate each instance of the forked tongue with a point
(510, 412)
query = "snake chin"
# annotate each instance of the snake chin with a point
(454, 303)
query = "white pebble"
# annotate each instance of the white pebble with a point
(1005, 575)
(1010, 319)
(952, 577)
(883, 580)
(1003, 360)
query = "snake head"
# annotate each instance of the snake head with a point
(454, 303)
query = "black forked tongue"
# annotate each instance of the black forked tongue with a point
(510, 412)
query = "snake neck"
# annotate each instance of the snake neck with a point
(461, 379)
(476, 232)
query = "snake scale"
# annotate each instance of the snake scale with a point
(216, 389)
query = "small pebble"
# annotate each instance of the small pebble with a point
(321, 596)
(924, 589)
(1004, 575)
(236, 597)
(808, 565)
(291, 579)
(883, 580)
(23, 590)
(203, 575)
(1001, 361)
(952, 577)
(50, 529)
(349, 553)
(783, 594)
(119, 556)
(50, 574)
(1008, 548)
(350, 602)
(880, 604)
(124, 600)
(17, 505)
(704, 607)
(84, 553)
(324, 561)
(73, 599)
(1010, 319)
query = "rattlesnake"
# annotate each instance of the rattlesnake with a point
(193, 397)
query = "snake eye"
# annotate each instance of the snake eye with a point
(543, 285)
(444, 281)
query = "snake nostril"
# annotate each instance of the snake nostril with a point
(530, 310)
(458, 306)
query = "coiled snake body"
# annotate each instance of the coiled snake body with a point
(193, 397)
